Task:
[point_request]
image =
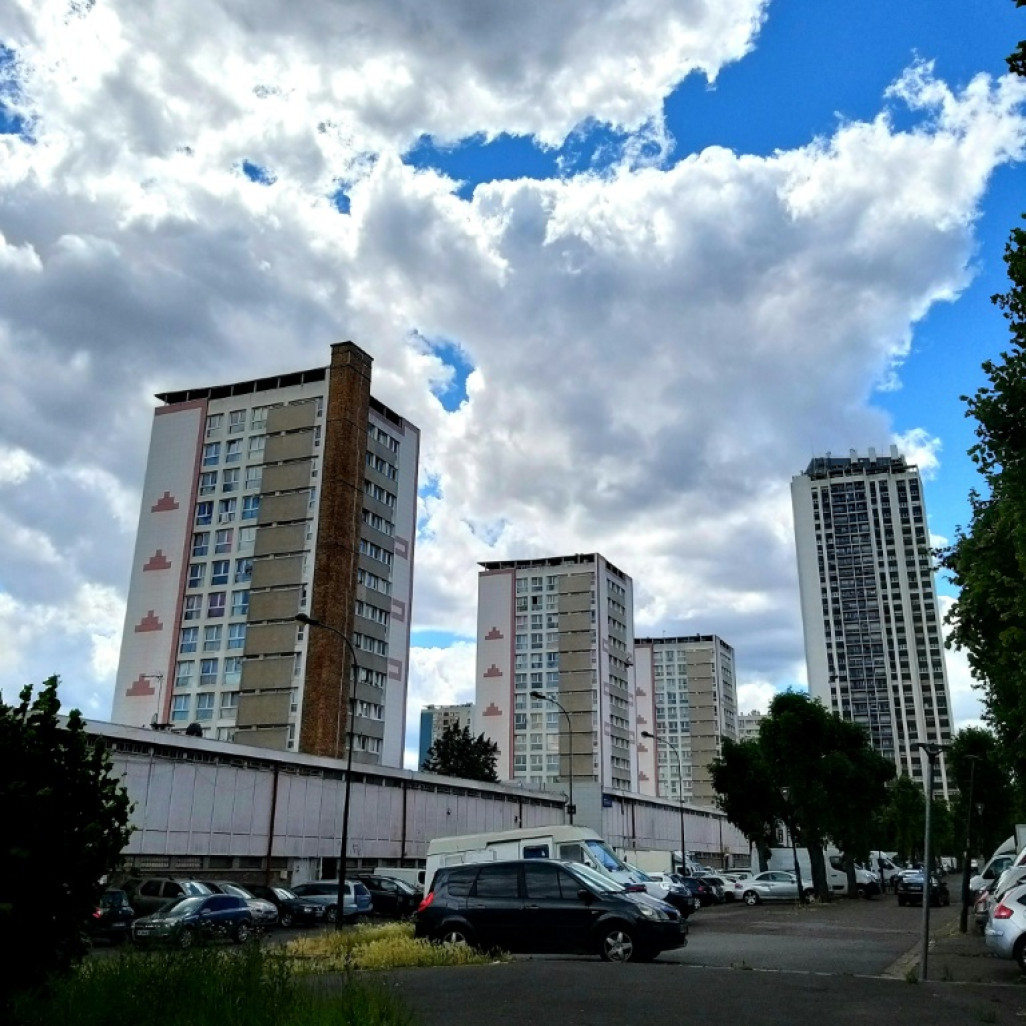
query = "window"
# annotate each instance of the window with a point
(250, 507)
(188, 639)
(498, 881)
(193, 607)
(232, 670)
(226, 510)
(208, 673)
(236, 635)
(247, 539)
(222, 540)
(258, 418)
(207, 482)
(200, 543)
(183, 673)
(253, 477)
(230, 480)
(243, 570)
(205, 707)
(219, 571)
(236, 422)
(212, 638)
(214, 421)
(240, 603)
(229, 700)
(180, 708)
(211, 454)
(215, 603)
(204, 512)
(197, 572)
(256, 447)
(233, 451)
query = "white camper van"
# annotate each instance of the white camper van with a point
(572, 843)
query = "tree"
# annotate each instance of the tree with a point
(987, 561)
(65, 823)
(977, 768)
(746, 794)
(457, 753)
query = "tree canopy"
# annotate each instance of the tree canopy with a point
(65, 823)
(810, 770)
(457, 753)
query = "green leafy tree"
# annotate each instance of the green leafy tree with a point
(902, 820)
(457, 753)
(65, 823)
(987, 561)
(977, 767)
(746, 794)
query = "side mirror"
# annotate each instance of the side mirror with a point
(585, 895)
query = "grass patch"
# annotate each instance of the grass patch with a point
(378, 947)
(204, 987)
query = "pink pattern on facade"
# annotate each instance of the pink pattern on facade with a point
(641, 692)
(399, 610)
(494, 635)
(402, 548)
(140, 688)
(492, 710)
(164, 504)
(395, 669)
(642, 775)
(150, 622)
(158, 561)
(493, 671)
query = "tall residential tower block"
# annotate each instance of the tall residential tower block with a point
(873, 639)
(263, 499)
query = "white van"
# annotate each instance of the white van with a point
(1003, 857)
(837, 879)
(572, 843)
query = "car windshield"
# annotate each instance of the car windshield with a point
(284, 894)
(596, 881)
(111, 898)
(603, 855)
(236, 890)
(183, 906)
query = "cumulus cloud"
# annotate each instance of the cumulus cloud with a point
(656, 347)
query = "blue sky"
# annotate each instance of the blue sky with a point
(626, 273)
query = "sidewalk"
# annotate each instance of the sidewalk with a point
(956, 957)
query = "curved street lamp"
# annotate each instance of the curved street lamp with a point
(680, 795)
(311, 622)
(570, 734)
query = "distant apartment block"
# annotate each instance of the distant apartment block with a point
(436, 719)
(686, 696)
(748, 725)
(262, 499)
(872, 623)
(562, 626)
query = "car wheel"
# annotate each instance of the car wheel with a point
(1019, 953)
(186, 939)
(331, 913)
(242, 933)
(285, 919)
(617, 945)
(751, 898)
(901, 900)
(861, 891)
(455, 933)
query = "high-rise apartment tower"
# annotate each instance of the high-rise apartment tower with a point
(686, 696)
(263, 499)
(562, 626)
(873, 639)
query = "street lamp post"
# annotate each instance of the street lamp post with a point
(570, 735)
(932, 750)
(963, 918)
(680, 795)
(785, 793)
(351, 702)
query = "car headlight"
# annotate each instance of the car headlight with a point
(653, 913)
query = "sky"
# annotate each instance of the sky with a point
(628, 267)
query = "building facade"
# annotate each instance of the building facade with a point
(263, 499)
(435, 719)
(872, 623)
(562, 626)
(748, 725)
(687, 698)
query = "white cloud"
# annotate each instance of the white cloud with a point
(657, 349)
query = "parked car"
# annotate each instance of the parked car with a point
(988, 898)
(265, 913)
(701, 889)
(1005, 932)
(673, 893)
(149, 894)
(542, 906)
(910, 889)
(112, 918)
(390, 897)
(720, 886)
(357, 899)
(196, 919)
(292, 909)
(773, 885)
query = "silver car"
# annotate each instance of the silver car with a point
(1005, 932)
(773, 885)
